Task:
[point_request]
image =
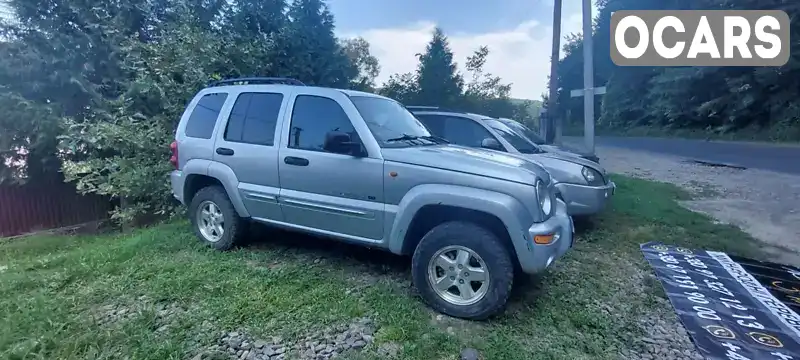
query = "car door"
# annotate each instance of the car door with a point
(248, 146)
(326, 192)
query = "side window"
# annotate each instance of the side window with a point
(312, 118)
(465, 132)
(253, 118)
(204, 116)
(434, 123)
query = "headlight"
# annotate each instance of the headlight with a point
(592, 176)
(543, 193)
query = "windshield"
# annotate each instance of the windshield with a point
(524, 131)
(520, 143)
(388, 120)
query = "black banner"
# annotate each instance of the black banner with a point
(732, 307)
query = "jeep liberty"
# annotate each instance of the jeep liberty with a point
(361, 168)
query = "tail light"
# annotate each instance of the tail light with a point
(174, 157)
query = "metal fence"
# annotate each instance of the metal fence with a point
(43, 206)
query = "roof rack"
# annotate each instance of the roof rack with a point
(429, 108)
(258, 80)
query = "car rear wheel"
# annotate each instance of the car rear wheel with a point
(463, 270)
(214, 219)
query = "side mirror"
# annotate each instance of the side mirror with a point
(342, 143)
(491, 143)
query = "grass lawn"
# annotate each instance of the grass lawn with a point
(157, 293)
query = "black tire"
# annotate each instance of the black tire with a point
(233, 227)
(486, 245)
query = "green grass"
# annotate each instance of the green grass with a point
(586, 307)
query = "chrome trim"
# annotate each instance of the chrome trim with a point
(324, 207)
(261, 197)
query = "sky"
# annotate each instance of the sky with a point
(517, 32)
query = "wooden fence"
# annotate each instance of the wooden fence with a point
(43, 206)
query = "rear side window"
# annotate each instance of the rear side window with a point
(254, 118)
(204, 116)
(434, 123)
(465, 132)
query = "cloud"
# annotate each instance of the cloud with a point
(519, 55)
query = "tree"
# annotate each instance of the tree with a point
(486, 93)
(712, 99)
(315, 54)
(357, 51)
(402, 87)
(437, 75)
(94, 89)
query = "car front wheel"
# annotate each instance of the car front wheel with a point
(463, 270)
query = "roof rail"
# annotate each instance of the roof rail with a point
(258, 80)
(429, 108)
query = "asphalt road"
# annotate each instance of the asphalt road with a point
(780, 158)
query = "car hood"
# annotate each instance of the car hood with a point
(476, 161)
(568, 152)
(573, 158)
(566, 167)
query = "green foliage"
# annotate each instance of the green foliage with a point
(437, 73)
(94, 89)
(711, 99)
(357, 50)
(437, 82)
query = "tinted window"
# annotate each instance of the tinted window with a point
(434, 123)
(204, 116)
(525, 131)
(387, 119)
(253, 118)
(465, 132)
(312, 118)
(520, 143)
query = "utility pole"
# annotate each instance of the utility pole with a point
(550, 122)
(588, 78)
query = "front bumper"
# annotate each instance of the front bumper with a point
(539, 257)
(585, 200)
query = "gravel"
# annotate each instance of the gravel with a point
(323, 344)
(665, 338)
(765, 204)
(111, 314)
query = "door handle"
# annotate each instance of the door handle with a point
(225, 151)
(296, 161)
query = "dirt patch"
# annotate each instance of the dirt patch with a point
(765, 204)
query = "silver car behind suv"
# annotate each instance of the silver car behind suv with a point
(584, 185)
(360, 168)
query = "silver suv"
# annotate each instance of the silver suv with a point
(360, 168)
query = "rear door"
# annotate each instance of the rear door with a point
(248, 145)
(329, 193)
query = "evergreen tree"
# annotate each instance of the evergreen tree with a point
(316, 55)
(437, 75)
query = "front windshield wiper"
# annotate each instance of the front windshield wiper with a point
(530, 151)
(430, 138)
(405, 137)
(435, 138)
